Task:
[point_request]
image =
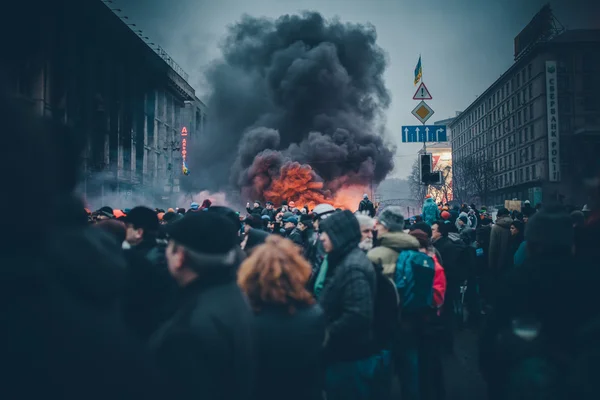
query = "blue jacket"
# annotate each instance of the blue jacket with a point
(431, 213)
(520, 255)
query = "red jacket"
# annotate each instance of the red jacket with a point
(439, 283)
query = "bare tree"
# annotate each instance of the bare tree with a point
(473, 179)
(417, 188)
(444, 191)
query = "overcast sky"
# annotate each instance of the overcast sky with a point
(465, 44)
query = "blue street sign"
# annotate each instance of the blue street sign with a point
(424, 133)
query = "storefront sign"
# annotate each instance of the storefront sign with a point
(184, 134)
(553, 126)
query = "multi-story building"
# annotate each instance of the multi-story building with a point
(92, 69)
(535, 132)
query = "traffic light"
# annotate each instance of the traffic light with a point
(429, 177)
(425, 163)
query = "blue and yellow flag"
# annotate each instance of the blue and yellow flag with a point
(185, 169)
(418, 72)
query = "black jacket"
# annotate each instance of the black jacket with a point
(296, 236)
(206, 350)
(349, 291)
(150, 293)
(62, 336)
(289, 353)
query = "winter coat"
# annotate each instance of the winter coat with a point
(151, 293)
(499, 251)
(295, 235)
(206, 350)
(530, 293)
(367, 206)
(289, 353)
(62, 336)
(514, 245)
(348, 293)
(452, 260)
(439, 281)
(431, 213)
(390, 246)
(255, 211)
(520, 254)
(269, 213)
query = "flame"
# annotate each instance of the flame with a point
(299, 183)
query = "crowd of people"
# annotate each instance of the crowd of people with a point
(279, 302)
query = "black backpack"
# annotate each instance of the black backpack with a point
(386, 309)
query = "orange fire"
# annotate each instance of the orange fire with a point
(299, 183)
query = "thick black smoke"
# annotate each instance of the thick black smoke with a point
(300, 88)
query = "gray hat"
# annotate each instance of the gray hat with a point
(391, 217)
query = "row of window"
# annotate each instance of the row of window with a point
(526, 174)
(508, 161)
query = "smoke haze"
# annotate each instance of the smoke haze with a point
(297, 89)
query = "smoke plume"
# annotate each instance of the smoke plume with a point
(296, 110)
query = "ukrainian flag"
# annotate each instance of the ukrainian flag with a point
(418, 72)
(185, 169)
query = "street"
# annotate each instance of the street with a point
(461, 374)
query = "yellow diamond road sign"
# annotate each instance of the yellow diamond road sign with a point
(423, 112)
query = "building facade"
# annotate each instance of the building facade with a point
(89, 69)
(535, 132)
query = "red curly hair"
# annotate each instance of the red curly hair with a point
(276, 274)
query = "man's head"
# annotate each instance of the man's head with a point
(550, 231)
(365, 196)
(256, 204)
(367, 224)
(340, 232)
(321, 212)
(269, 205)
(462, 220)
(141, 223)
(290, 222)
(502, 212)
(305, 222)
(200, 243)
(439, 229)
(390, 220)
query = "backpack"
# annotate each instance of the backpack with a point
(414, 280)
(386, 309)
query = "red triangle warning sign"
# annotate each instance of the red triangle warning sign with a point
(422, 93)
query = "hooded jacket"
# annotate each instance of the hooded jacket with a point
(386, 254)
(431, 213)
(499, 252)
(348, 293)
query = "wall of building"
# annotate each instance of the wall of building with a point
(507, 126)
(91, 71)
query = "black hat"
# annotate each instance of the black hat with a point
(502, 211)
(143, 217)
(106, 211)
(306, 219)
(423, 226)
(171, 217)
(204, 233)
(226, 212)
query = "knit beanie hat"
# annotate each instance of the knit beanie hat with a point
(392, 218)
(550, 228)
(421, 237)
(422, 226)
